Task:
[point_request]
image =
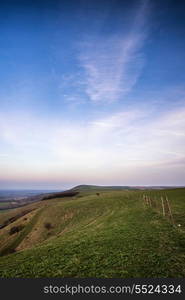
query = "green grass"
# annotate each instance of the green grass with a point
(111, 235)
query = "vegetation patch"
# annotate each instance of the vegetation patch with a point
(15, 229)
(12, 245)
(15, 218)
(48, 225)
(60, 195)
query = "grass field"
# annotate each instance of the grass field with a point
(110, 234)
(3, 204)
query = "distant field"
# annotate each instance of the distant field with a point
(3, 204)
(97, 233)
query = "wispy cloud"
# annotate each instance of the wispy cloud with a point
(131, 146)
(113, 65)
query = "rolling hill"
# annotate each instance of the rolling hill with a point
(95, 232)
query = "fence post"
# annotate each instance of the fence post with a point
(147, 202)
(162, 201)
(169, 209)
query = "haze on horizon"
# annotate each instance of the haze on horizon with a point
(92, 92)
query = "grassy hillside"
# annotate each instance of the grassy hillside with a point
(97, 233)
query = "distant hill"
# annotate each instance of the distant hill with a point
(96, 187)
(122, 187)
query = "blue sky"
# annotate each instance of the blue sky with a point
(92, 92)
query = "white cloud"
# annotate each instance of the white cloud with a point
(113, 65)
(117, 147)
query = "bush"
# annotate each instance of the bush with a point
(12, 251)
(60, 195)
(48, 226)
(15, 229)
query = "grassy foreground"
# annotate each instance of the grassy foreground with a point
(113, 234)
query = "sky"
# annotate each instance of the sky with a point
(92, 92)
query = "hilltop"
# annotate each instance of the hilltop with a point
(122, 187)
(87, 187)
(95, 232)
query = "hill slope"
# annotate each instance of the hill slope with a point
(106, 234)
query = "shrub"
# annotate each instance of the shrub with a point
(48, 226)
(15, 229)
(12, 251)
(60, 195)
